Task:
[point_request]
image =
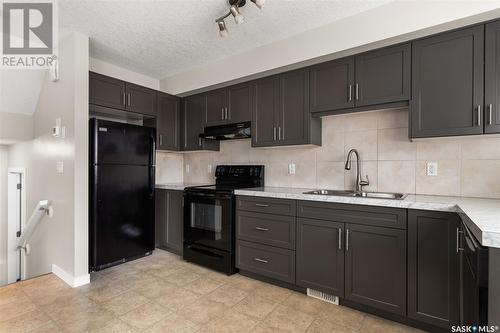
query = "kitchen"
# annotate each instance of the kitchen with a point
(353, 193)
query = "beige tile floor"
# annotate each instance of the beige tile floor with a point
(162, 293)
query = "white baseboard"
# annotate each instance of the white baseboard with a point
(70, 279)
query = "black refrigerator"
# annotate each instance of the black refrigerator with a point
(122, 186)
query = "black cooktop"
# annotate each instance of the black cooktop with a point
(231, 177)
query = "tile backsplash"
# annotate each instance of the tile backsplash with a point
(467, 166)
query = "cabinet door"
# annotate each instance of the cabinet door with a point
(376, 267)
(433, 268)
(239, 103)
(194, 108)
(175, 221)
(332, 85)
(320, 256)
(383, 76)
(215, 113)
(294, 117)
(492, 78)
(161, 204)
(141, 99)
(447, 84)
(265, 105)
(106, 91)
(168, 122)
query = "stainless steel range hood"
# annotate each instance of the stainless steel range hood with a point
(227, 132)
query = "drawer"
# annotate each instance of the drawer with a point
(358, 214)
(273, 262)
(267, 205)
(269, 229)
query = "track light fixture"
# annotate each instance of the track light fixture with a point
(234, 10)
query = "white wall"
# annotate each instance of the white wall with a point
(395, 22)
(106, 68)
(3, 214)
(15, 127)
(62, 240)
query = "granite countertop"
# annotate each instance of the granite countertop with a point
(482, 216)
(177, 186)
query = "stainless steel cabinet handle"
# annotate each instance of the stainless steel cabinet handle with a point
(222, 113)
(279, 133)
(458, 240)
(261, 229)
(261, 260)
(340, 239)
(261, 205)
(490, 114)
(227, 114)
(274, 133)
(479, 115)
(357, 91)
(350, 92)
(199, 142)
(347, 240)
(161, 139)
(124, 99)
(128, 99)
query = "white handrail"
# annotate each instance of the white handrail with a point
(42, 208)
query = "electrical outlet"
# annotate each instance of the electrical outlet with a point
(431, 168)
(187, 168)
(291, 169)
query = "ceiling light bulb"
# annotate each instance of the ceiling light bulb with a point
(238, 18)
(222, 29)
(259, 3)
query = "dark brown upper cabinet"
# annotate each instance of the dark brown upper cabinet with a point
(448, 84)
(320, 255)
(141, 99)
(229, 105)
(215, 113)
(168, 122)
(107, 91)
(433, 268)
(281, 111)
(379, 78)
(492, 78)
(375, 267)
(383, 76)
(194, 108)
(332, 85)
(117, 94)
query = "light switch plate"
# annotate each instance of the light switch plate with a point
(187, 168)
(291, 169)
(431, 168)
(209, 169)
(60, 167)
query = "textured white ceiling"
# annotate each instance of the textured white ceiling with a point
(163, 38)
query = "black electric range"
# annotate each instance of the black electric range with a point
(209, 216)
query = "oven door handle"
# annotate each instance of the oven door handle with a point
(207, 195)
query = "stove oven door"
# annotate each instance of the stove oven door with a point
(208, 220)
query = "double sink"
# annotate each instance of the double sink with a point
(344, 193)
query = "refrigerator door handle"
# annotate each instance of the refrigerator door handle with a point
(152, 159)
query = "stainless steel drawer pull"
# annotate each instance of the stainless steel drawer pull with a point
(340, 239)
(479, 115)
(261, 229)
(261, 260)
(261, 205)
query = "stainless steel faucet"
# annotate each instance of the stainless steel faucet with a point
(359, 182)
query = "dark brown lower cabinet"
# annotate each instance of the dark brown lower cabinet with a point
(169, 220)
(375, 267)
(320, 256)
(433, 268)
